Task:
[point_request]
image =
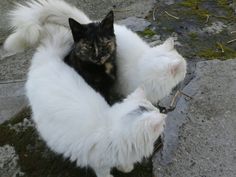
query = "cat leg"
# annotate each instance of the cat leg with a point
(102, 172)
(125, 168)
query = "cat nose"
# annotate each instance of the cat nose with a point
(97, 61)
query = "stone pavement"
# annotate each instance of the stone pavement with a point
(200, 135)
(12, 78)
(200, 138)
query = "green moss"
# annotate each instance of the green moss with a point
(200, 14)
(219, 52)
(222, 3)
(193, 35)
(191, 3)
(195, 10)
(193, 16)
(147, 32)
(24, 113)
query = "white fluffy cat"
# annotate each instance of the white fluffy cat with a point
(76, 121)
(156, 69)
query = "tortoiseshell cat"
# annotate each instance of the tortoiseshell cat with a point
(93, 53)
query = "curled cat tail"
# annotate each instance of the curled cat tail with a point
(18, 41)
(57, 41)
(28, 21)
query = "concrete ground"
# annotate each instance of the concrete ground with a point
(200, 135)
(206, 126)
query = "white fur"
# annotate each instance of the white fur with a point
(156, 69)
(27, 21)
(76, 121)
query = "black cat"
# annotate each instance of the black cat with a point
(93, 53)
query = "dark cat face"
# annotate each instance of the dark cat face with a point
(94, 42)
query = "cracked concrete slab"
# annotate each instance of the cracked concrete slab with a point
(12, 99)
(15, 67)
(200, 137)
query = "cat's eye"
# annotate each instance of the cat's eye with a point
(143, 109)
(140, 110)
(89, 46)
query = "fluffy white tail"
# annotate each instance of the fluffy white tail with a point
(56, 40)
(28, 21)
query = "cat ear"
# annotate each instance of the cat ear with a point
(169, 44)
(107, 23)
(137, 94)
(77, 29)
(175, 67)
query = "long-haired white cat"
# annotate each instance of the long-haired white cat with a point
(76, 121)
(156, 69)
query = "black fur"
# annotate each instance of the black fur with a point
(93, 54)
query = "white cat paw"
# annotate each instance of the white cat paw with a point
(126, 169)
(102, 172)
(105, 175)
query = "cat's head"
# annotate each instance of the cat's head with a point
(137, 123)
(161, 69)
(94, 42)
